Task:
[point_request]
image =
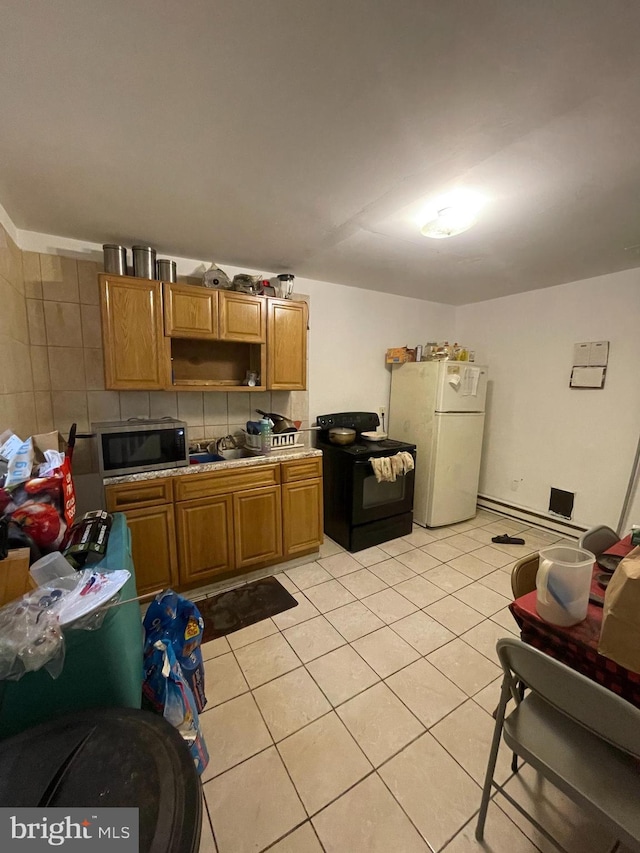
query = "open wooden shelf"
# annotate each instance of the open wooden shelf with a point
(215, 364)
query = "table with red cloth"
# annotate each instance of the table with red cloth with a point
(577, 646)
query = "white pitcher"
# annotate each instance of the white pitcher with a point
(563, 582)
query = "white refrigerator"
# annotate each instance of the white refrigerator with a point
(439, 406)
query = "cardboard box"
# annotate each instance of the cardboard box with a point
(397, 355)
(50, 441)
(15, 579)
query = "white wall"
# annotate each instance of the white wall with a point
(350, 330)
(539, 430)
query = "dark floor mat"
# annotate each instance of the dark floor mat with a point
(236, 608)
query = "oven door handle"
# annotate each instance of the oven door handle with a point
(368, 461)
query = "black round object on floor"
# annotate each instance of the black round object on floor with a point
(109, 758)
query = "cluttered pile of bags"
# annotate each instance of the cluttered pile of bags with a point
(36, 489)
(173, 670)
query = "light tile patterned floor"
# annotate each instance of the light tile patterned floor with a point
(361, 719)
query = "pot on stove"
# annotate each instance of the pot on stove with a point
(342, 435)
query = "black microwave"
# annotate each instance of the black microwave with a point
(137, 445)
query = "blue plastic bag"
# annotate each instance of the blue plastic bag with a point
(168, 693)
(177, 621)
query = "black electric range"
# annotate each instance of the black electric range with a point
(359, 512)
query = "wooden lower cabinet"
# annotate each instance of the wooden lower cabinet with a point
(190, 531)
(302, 523)
(205, 538)
(257, 523)
(153, 547)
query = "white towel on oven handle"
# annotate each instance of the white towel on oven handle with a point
(388, 468)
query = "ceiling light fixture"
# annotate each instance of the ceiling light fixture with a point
(451, 214)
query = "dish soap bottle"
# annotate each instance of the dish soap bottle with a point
(265, 436)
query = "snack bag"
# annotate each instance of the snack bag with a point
(169, 694)
(43, 506)
(177, 621)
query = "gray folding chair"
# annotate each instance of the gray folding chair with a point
(598, 539)
(582, 737)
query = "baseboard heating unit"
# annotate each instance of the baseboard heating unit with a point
(536, 519)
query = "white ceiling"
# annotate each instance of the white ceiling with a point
(304, 135)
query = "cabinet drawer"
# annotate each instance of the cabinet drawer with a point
(143, 493)
(301, 469)
(223, 482)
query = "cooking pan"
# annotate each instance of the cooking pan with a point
(280, 423)
(342, 435)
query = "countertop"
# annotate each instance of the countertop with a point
(208, 467)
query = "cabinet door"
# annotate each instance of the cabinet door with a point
(287, 345)
(205, 538)
(190, 312)
(136, 354)
(242, 317)
(301, 517)
(257, 525)
(153, 547)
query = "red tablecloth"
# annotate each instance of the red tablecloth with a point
(578, 646)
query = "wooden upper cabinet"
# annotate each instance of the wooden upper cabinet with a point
(190, 311)
(135, 349)
(242, 317)
(287, 347)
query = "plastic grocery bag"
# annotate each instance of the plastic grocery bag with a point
(176, 620)
(168, 693)
(30, 636)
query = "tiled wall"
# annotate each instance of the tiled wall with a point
(17, 398)
(57, 312)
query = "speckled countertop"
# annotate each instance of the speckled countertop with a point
(208, 467)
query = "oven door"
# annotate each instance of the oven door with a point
(372, 500)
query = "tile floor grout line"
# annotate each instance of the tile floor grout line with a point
(208, 814)
(381, 680)
(238, 764)
(405, 813)
(303, 664)
(314, 814)
(427, 729)
(334, 707)
(282, 761)
(290, 832)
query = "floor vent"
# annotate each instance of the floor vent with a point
(561, 502)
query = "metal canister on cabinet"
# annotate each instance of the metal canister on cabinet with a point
(144, 262)
(115, 259)
(166, 270)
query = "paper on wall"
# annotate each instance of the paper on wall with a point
(470, 381)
